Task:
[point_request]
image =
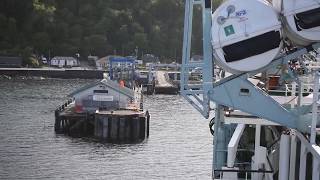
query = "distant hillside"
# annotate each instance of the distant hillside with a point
(96, 27)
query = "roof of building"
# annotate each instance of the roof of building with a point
(107, 58)
(64, 58)
(111, 84)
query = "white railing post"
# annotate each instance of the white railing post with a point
(257, 154)
(315, 169)
(284, 157)
(293, 153)
(315, 108)
(293, 94)
(300, 94)
(303, 162)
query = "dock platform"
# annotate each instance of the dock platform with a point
(117, 126)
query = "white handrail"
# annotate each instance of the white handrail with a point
(313, 149)
(233, 144)
(307, 147)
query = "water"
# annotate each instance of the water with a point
(179, 146)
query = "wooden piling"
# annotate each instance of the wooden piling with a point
(100, 125)
(135, 127)
(128, 129)
(142, 122)
(114, 128)
(57, 123)
(148, 122)
(122, 128)
(105, 127)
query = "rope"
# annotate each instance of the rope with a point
(211, 123)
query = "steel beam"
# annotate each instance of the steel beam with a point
(241, 94)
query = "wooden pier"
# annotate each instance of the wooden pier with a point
(118, 126)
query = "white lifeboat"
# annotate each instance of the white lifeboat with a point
(246, 35)
(301, 20)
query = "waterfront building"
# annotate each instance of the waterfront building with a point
(104, 94)
(61, 62)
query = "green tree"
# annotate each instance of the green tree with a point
(96, 27)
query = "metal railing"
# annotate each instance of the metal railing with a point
(305, 166)
(243, 173)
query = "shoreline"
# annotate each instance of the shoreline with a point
(72, 73)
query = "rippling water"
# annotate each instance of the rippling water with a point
(179, 146)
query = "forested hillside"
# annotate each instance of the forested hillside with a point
(96, 27)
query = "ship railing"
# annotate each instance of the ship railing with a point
(304, 158)
(244, 173)
(241, 167)
(288, 89)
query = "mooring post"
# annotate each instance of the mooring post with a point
(148, 123)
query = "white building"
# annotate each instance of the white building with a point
(64, 62)
(104, 94)
(104, 63)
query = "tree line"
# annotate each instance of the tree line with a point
(94, 27)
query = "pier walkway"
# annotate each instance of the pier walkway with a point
(163, 84)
